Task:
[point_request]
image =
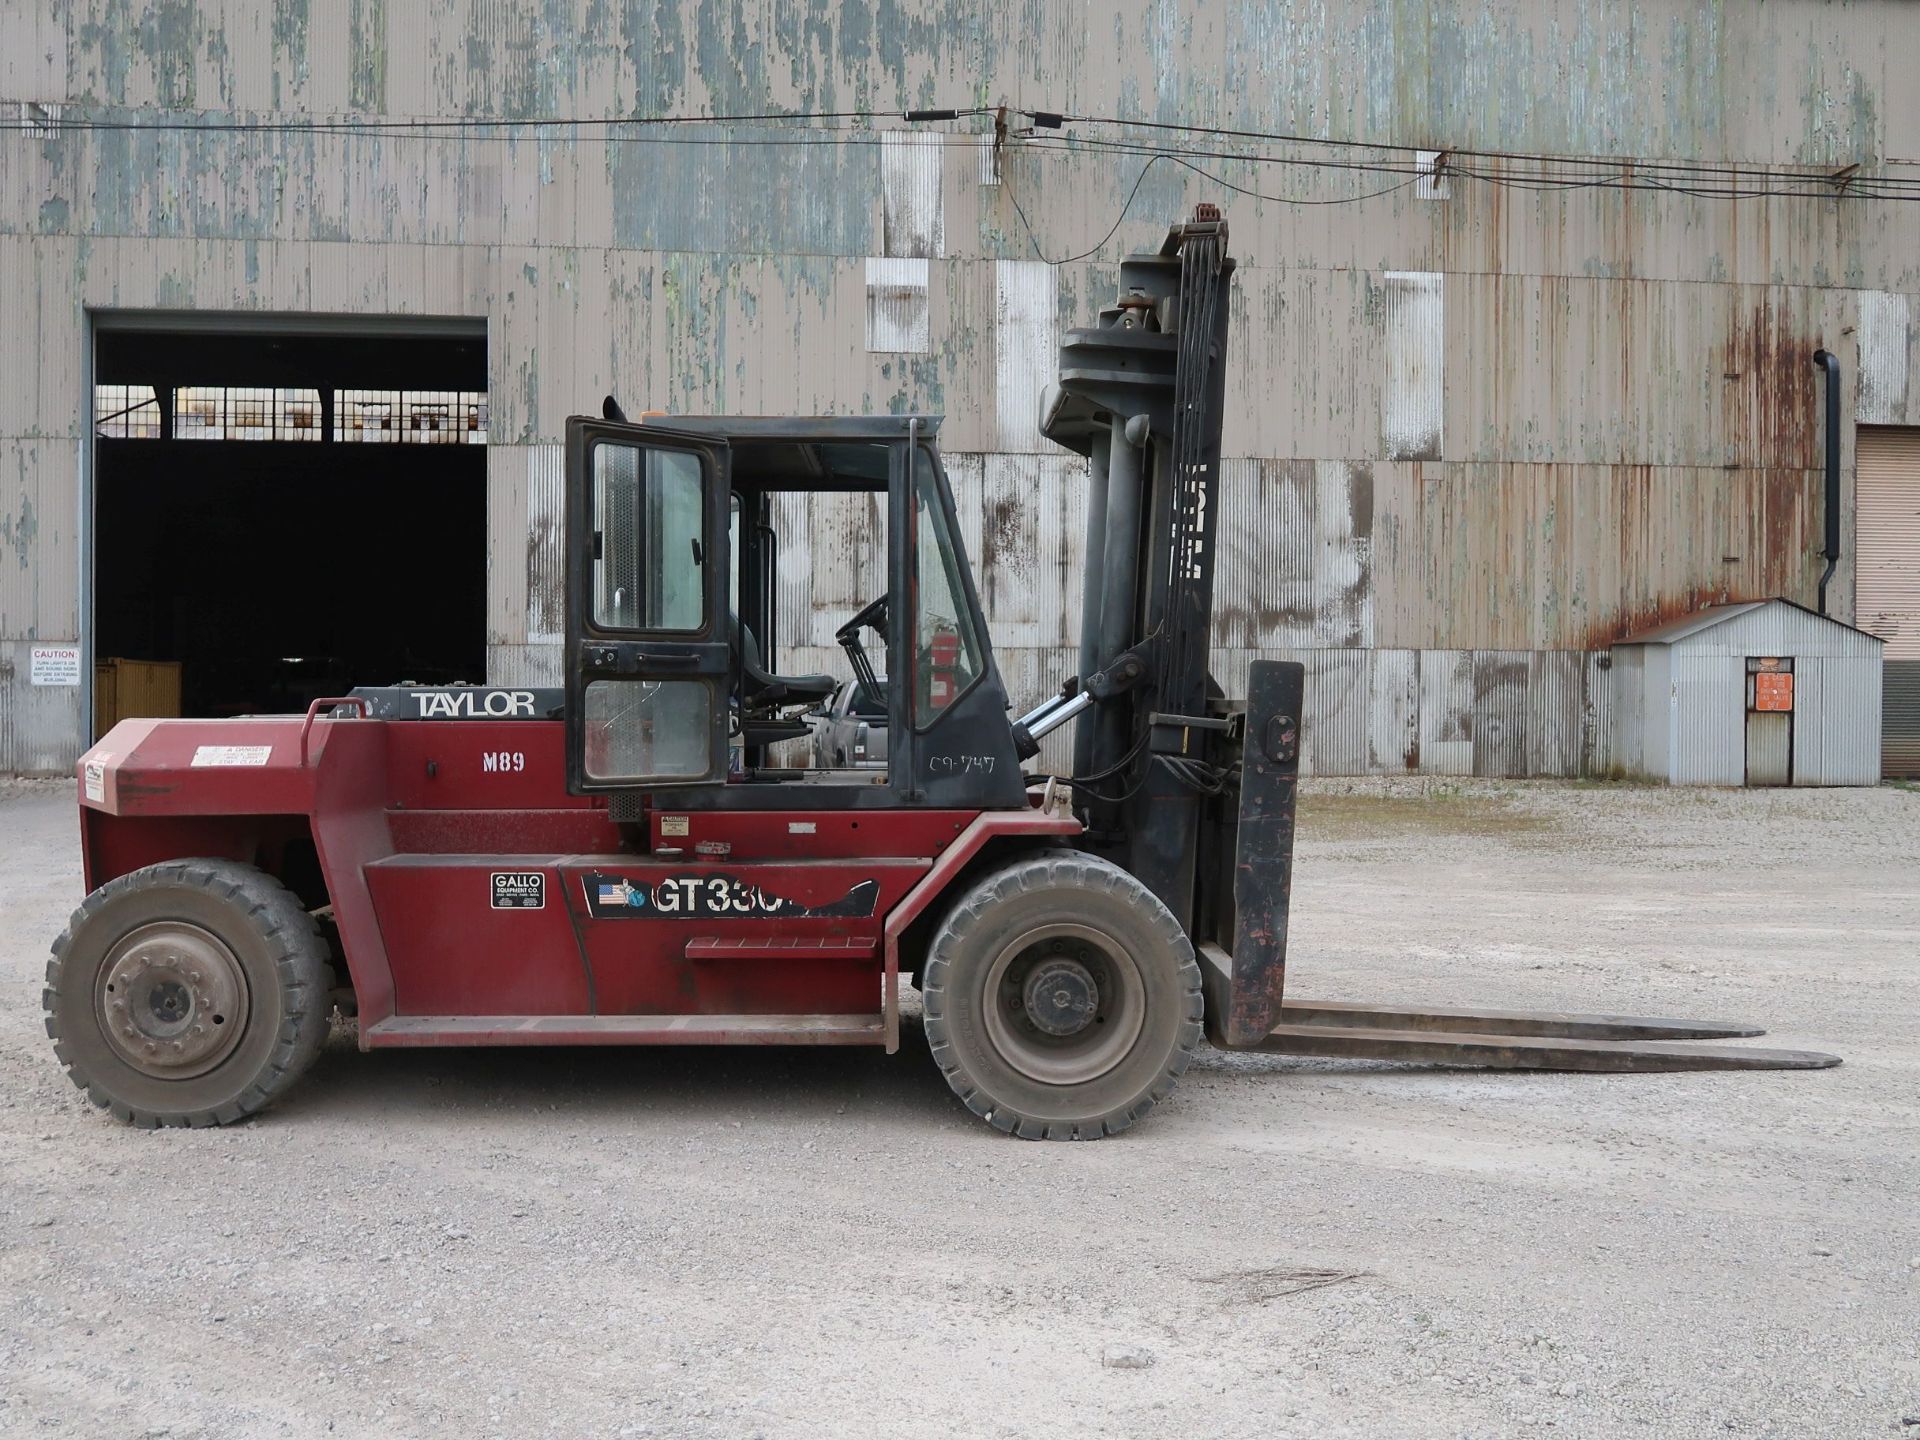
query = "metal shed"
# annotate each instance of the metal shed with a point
(1761, 693)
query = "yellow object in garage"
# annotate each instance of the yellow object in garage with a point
(130, 689)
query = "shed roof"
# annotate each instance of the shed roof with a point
(1714, 616)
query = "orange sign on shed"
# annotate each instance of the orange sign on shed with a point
(1773, 690)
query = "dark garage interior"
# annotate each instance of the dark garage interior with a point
(280, 516)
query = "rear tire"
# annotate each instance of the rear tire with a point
(193, 992)
(1062, 999)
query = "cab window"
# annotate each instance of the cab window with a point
(946, 651)
(649, 540)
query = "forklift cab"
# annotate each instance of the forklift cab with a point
(675, 568)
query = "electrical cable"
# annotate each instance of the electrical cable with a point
(1610, 162)
(344, 124)
(1121, 764)
(1651, 173)
(1034, 239)
(1193, 774)
(1525, 183)
(1802, 186)
(1289, 200)
(1646, 171)
(1080, 783)
(1699, 180)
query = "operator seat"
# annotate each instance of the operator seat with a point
(762, 695)
(761, 687)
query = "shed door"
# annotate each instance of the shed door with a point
(1887, 590)
(1769, 720)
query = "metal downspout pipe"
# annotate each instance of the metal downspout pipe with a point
(1826, 360)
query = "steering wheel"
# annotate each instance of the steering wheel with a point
(874, 614)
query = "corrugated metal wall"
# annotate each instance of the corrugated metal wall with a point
(1476, 433)
(1837, 736)
(1706, 718)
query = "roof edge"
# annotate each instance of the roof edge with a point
(1710, 617)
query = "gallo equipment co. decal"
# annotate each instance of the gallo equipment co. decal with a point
(707, 897)
(519, 890)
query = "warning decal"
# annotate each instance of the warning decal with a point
(54, 665)
(206, 756)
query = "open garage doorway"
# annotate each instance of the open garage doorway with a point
(284, 509)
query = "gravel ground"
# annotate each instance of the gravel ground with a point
(725, 1243)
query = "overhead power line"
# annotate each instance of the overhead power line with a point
(853, 127)
(1695, 167)
(459, 124)
(1403, 164)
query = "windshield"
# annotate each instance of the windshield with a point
(946, 650)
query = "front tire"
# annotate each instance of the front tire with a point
(1062, 999)
(193, 992)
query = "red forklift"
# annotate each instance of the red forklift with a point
(625, 861)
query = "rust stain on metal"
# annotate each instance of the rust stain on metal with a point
(1771, 383)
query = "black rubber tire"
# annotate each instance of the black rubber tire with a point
(282, 957)
(1060, 886)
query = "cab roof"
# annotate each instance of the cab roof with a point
(797, 427)
(805, 452)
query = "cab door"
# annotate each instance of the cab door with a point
(648, 652)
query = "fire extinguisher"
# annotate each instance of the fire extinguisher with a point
(943, 656)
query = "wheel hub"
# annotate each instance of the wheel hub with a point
(172, 1000)
(1065, 1003)
(1061, 996)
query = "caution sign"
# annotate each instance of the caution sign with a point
(54, 665)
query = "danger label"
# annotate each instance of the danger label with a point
(519, 890)
(210, 755)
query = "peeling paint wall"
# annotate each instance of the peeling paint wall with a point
(1887, 343)
(1474, 434)
(1412, 401)
(1025, 350)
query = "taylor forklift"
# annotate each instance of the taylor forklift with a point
(624, 861)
